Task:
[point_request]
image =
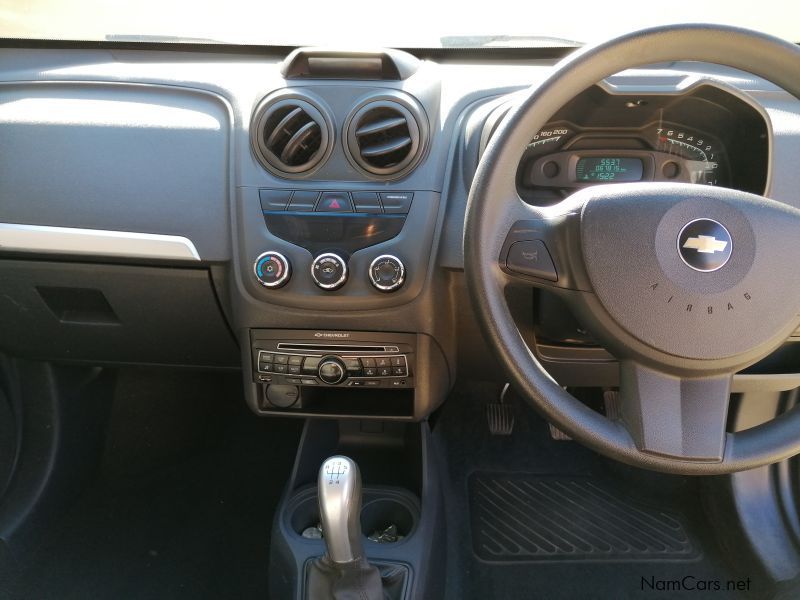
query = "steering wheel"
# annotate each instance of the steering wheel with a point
(685, 284)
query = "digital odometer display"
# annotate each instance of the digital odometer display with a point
(609, 168)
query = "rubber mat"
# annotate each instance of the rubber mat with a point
(527, 517)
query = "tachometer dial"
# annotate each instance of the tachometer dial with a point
(702, 154)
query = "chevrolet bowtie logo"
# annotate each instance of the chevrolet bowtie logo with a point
(707, 244)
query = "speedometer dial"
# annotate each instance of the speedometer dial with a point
(549, 139)
(702, 154)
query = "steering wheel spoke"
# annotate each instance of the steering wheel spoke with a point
(675, 417)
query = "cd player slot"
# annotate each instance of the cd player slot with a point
(335, 347)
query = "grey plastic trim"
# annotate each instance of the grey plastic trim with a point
(95, 242)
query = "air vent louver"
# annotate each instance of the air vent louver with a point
(384, 138)
(291, 136)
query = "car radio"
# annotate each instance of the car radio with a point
(350, 359)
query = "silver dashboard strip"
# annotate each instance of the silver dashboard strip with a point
(95, 242)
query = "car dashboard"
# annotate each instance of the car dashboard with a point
(299, 216)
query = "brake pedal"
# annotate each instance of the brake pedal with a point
(500, 415)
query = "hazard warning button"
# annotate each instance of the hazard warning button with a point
(334, 202)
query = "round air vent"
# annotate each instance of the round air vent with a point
(290, 134)
(385, 137)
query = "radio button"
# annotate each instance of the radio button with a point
(399, 371)
(382, 361)
(370, 371)
(311, 364)
(332, 371)
(384, 371)
(352, 364)
(367, 362)
(398, 361)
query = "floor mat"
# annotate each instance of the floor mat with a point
(527, 517)
(480, 565)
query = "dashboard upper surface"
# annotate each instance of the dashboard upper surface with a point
(212, 97)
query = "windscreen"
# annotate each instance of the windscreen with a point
(385, 23)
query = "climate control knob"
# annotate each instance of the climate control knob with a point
(387, 273)
(272, 269)
(332, 371)
(329, 271)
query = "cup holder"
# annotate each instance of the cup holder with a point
(380, 509)
(304, 514)
(381, 513)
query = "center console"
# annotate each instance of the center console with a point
(335, 219)
(401, 517)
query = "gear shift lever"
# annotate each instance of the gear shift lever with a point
(344, 573)
(339, 490)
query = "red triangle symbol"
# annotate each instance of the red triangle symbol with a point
(334, 204)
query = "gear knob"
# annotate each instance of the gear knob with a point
(339, 492)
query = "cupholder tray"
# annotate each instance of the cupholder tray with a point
(381, 507)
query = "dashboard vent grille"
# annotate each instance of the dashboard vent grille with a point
(291, 136)
(384, 138)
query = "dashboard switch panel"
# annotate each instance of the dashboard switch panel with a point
(398, 203)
